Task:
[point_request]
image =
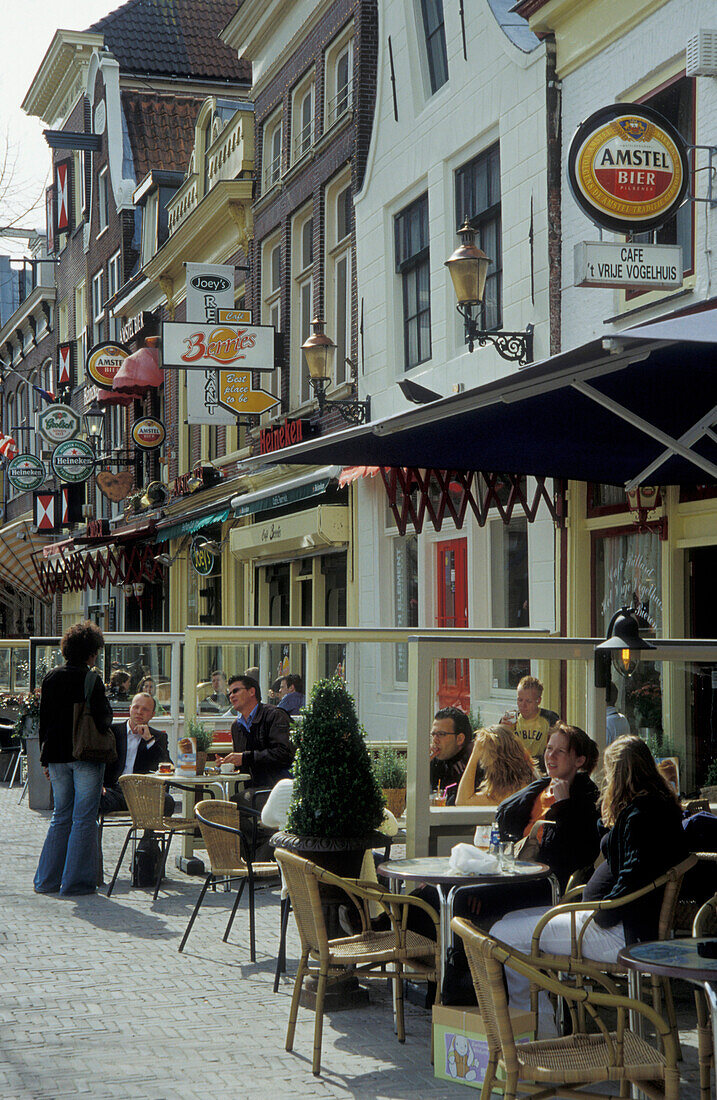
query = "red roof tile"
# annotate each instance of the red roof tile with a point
(161, 130)
(174, 38)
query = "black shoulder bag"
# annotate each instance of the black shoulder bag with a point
(88, 743)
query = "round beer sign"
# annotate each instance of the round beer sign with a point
(628, 168)
(148, 433)
(26, 472)
(73, 461)
(103, 361)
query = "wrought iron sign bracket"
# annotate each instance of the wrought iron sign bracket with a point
(516, 347)
(352, 411)
(710, 168)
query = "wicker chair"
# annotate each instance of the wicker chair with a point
(366, 951)
(704, 925)
(574, 963)
(144, 795)
(557, 1067)
(230, 857)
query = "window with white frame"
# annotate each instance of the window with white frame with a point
(102, 212)
(413, 264)
(63, 328)
(272, 150)
(302, 251)
(478, 202)
(338, 220)
(149, 227)
(98, 308)
(339, 77)
(271, 300)
(113, 285)
(302, 123)
(435, 39)
(78, 179)
(80, 330)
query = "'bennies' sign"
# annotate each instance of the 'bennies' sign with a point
(628, 168)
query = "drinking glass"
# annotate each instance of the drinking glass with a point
(507, 855)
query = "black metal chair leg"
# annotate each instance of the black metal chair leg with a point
(252, 935)
(119, 861)
(200, 899)
(235, 906)
(162, 863)
(281, 956)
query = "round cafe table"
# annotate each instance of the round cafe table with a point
(435, 871)
(221, 784)
(674, 959)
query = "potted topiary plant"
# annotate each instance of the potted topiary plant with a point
(336, 805)
(390, 768)
(203, 737)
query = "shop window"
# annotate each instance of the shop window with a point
(405, 596)
(271, 303)
(413, 266)
(339, 78)
(676, 102)
(627, 570)
(333, 566)
(435, 40)
(509, 592)
(478, 199)
(272, 151)
(113, 285)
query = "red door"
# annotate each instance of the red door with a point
(452, 611)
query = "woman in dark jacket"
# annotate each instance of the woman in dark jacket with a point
(68, 861)
(646, 838)
(567, 796)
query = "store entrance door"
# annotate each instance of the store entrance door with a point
(702, 599)
(452, 611)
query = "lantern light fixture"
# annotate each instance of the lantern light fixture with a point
(319, 351)
(468, 267)
(623, 644)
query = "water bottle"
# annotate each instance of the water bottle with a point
(494, 848)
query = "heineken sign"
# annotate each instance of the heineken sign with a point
(628, 168)
(26, 472)
(56, 423)
(73, 461)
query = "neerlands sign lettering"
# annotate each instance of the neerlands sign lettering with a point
(194, 346)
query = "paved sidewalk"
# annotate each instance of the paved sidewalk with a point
(96, 1001)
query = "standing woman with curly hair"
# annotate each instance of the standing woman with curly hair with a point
(507, 767)
(68, 861)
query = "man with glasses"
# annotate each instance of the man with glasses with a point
(451, 745)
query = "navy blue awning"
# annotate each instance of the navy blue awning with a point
(634, 407)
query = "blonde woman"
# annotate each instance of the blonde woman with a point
(507, 768)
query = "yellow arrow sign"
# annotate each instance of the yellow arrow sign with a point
(235, 393)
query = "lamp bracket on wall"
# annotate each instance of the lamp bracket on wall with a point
(516, 347)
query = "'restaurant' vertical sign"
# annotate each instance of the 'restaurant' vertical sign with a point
(210, 287)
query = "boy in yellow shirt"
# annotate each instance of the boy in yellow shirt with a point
(532, 723)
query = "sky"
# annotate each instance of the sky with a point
(26, 30)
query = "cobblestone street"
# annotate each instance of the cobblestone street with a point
(97, 1002)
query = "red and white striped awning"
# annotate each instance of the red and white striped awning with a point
(8, 446)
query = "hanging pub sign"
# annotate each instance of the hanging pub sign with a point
(193, 346)
(210, 299)
(46, 513)
(72, 498)
(26, 472)
(103, 361)
(73, 460)
(628, 168)
(134, 327)
(627, 264)
(115, 486)
(202, 559)
(148, 433)
(64, 364)
(57, 423)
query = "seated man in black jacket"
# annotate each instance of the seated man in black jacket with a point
(140, 748)
(262, 747)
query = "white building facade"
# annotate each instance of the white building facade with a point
(461, 131)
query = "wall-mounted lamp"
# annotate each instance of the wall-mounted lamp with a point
(319, 350)
(623, 644)
(641, 500)
(469, 267)
(94, 420)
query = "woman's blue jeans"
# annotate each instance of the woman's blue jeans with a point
(68, 861)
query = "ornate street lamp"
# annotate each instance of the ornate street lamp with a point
(94, 420)
(319, 350)
(468, 267)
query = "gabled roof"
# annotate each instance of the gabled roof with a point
(173, 38)
(161, 130)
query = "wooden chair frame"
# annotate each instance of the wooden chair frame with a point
(231, 860)
(558, 1067)
(362, 953)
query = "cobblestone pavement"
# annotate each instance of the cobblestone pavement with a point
(96, 1001)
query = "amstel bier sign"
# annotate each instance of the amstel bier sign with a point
(628, 168)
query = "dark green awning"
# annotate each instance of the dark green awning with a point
(189, 526)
